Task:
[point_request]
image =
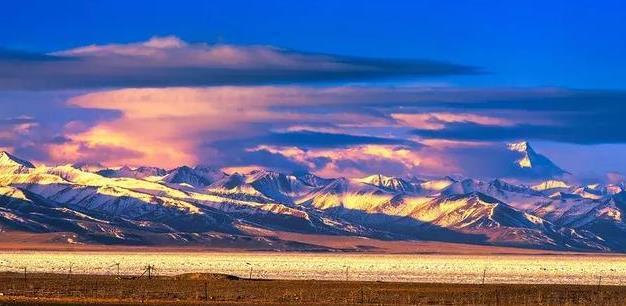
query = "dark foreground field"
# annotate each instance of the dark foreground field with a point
(197, 289)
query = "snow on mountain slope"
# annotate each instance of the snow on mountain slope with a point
(198, 177)
(437, 184)
(312, 179)
(8, 160)
(466, 217)
(567, 211)
(518, 196)
(550, 185)
(533, 163)
(22, 210)
(115, 198)
(268, 185)
(588, 193)
(557, 189)
(47, 177)
(89, 167)
(10, 164)
(499, 187)
(360, 194)
(603, 217)
(474, 210)
(476, 213)
(350, 194)
(597, 191)
(234, 186)
(154, 204)
(125, 171)
(277, 186)
(463, 187)
(393, 184)
(137, 205)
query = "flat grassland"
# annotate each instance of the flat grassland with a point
(219, 289)
(574, 269)
(132, 277)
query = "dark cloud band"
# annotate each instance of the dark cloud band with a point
(166, 62)
(580, 117)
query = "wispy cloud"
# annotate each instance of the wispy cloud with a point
(169, 61)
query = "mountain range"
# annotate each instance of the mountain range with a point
(203, 206)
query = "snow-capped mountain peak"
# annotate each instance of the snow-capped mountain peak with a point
(390, 183)
(311, 179)
(8, 160)
(533, 163)
(198, 177)
(136, 205)
(10, 164)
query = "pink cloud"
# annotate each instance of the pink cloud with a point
(174, 52)
(173, 126)
(452, 144)
(362, 160)
(168, 125)
(438, 120)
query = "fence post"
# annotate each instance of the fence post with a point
(118, 269)
(484, 275)
(250, 265)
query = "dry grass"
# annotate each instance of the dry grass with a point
(58, 289)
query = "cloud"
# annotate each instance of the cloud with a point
(20, 125)
(232, 105)
(579, 117)
(484, 160)
(312, 139)
(615, 177)
(91, 153)
(602, 132)
(337, 128)
(169, 61)
(194, 125)
(217, 125)
(355, 161)
(438, 121)
(11, 129)
(310, 151)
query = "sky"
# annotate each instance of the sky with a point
(339, 88)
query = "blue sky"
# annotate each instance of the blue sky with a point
(497, 71)
(521, 43)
